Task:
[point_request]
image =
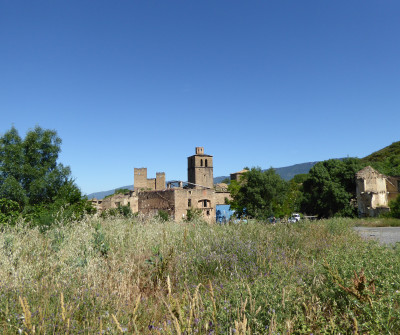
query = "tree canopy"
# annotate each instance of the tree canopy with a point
(30, 174)
(331, 187)
(258, 194)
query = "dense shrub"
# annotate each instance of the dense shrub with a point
(395, 208)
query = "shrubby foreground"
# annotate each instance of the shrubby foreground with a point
(144, 276)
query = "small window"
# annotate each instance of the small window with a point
(201, 162)
(189, 202)
(206, 163)
(208, 213)
(205, 203)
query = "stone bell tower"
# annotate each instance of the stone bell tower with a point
(200, 170)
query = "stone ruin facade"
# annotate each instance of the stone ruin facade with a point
(374, 191)
(152, 195)
(237, 175)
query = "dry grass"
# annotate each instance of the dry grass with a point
(143, 276)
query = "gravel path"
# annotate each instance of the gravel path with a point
(385, 235)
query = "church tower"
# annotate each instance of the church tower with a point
(200, 170)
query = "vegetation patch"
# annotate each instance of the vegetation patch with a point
(149, 276)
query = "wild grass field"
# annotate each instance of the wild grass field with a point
(144, 276)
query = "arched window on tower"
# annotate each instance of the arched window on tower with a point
(206, 163)
(201, 162)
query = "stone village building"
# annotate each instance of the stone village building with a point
(151, 195)
(374, 191)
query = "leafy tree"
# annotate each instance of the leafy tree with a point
(9, 211)
(226, 180)
(11, 189)
(331, 187)
(259, 194)
(11, 156)
(389, 166)
(395, 208)
(31, 176)
(294, 195)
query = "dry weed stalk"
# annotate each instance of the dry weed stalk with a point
(117, 323)
(27, 315)
(361, 289)
(214, 314)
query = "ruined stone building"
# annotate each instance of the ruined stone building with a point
(375, 191)
(237, 175)
(151, 195)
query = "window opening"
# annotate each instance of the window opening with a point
(206, 163)
(189, 202)
(201, 162)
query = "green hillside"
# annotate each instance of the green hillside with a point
(386, 160)
(392, 150)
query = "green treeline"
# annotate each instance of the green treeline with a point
(33, 185)
(328, 190)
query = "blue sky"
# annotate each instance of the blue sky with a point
(256, 83)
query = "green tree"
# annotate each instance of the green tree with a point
(259, 194)
(31, 176)
(395, 208)
(293, 197)
(226, 180)
(9, 211)
(331, 187)
(389, 166)
(11, 156)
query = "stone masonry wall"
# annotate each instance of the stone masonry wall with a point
(140, 179)
(150, 202)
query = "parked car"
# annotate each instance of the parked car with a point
(294, 218)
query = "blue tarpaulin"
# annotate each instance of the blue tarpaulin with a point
(223, 213)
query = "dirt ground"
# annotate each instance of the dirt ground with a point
(385, 235)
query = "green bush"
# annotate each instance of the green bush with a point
(124, 211)
(193, 214)
(163, 215)
(9, 211)
(395, 208)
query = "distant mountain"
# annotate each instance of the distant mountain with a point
(101, 195)
(286, 173)
(289, 172)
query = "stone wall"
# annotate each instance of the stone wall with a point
(151, 184)
(150, 202)
(374, 191)
(141, 183)
(140, 179)
(160, 181)
(203, 199)
(128, 199)
(200, 169)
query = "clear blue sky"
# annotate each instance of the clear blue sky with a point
(256, 83)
